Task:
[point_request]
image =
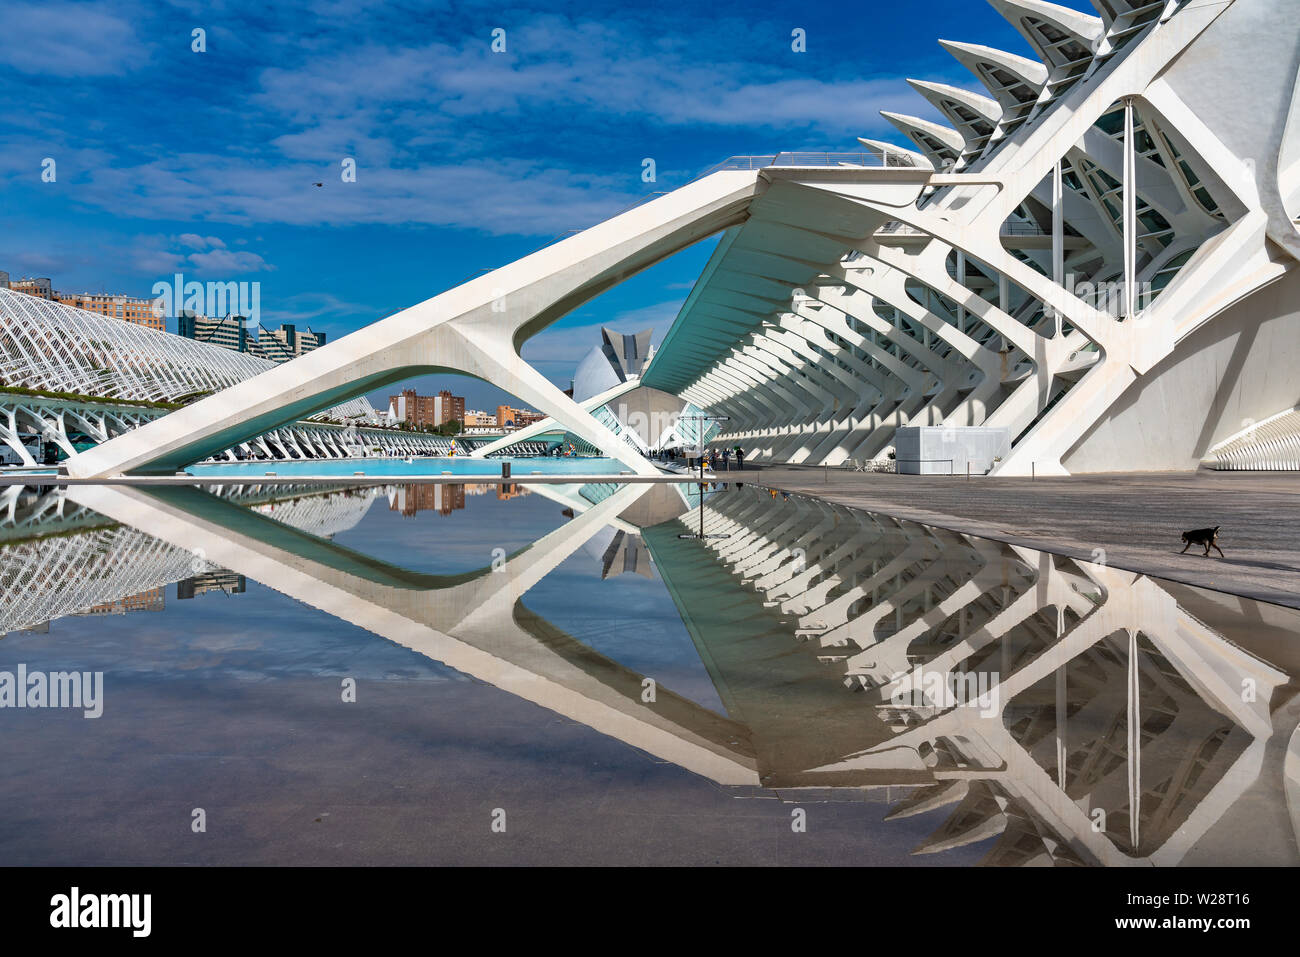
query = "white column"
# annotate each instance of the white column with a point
(1134, 742)
(961, 279)
(1130, 213)
(1058, 239)
(1062, 689)
(1004, 303)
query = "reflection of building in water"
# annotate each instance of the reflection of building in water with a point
(41, 628)
(445, 499)
(410, 499)
(626, 553)
(151, 600)
(58, 558)
(1067, 712)
(322, 514)
(43, 579)
(1080, 714)
(222, 580)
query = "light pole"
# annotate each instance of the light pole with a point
(699, 431)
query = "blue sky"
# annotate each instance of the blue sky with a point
(170, 160)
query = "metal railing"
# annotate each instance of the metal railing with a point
(1008, 229)
(875, 160)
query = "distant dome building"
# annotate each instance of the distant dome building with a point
(651, 415)
(617, 359)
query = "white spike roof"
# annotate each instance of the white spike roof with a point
(1112, 10)
(890, 150)
(1059, 35)
(974, 116)
(942, 144)
(986, 62)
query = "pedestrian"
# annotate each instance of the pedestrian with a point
(726, 460)
(740, 458)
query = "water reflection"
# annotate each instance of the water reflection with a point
(1109, 718)
(1065, 712)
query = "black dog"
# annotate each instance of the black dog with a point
(1203, 536)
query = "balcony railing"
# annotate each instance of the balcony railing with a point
(874, 160)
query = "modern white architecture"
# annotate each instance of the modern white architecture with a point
(1098, 255)
(72, 378)
(1103, 262)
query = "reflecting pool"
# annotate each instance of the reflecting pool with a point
(570, 674)
(586, 465)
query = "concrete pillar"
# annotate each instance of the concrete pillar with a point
(1130, 213)
(1058, 240)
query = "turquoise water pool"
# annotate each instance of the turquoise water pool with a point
(456, 465)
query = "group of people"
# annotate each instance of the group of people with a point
(718, 460)
(724, 458)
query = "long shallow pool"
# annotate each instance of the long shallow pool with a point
(435, 465)
(385, 675)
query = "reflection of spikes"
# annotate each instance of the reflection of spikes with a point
(1025, 617)
(976, 818)
(929, 798)
(1023, 844)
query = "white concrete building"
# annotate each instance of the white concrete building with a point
(1105, 267)
(1098, 256)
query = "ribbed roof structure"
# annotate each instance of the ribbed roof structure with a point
(51, 347)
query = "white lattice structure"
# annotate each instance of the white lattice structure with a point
(72, 558)
(47, 578)
(311, 440)
(52, 347)
(1269, 446)
(63, 422)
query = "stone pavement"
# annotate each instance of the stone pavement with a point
(1136, 519)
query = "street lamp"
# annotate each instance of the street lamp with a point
(699, 431)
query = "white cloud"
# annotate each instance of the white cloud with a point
(67, 40)
(205, 256)
(226, 262)
(308, 306)
(498, 196)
